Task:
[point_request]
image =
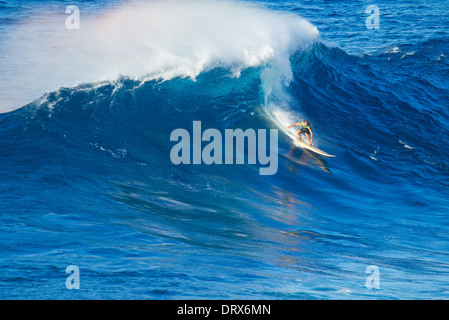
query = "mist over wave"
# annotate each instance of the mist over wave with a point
(156, 40)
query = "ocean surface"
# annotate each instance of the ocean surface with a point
(87, 111)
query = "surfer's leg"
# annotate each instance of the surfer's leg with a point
(308, 138)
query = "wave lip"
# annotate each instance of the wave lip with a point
(157, 40)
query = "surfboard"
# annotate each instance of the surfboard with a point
(311, 148)
(303, 145)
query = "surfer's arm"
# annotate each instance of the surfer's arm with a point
(295, 124)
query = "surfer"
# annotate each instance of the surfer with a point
(305, 128)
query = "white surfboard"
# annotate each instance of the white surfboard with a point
(304, 145)
(311, 148)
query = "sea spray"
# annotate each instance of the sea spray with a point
(147, 41)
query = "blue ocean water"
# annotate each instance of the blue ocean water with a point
(86, 176)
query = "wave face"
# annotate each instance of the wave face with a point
(87, 178)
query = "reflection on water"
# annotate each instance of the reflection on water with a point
(305, 157)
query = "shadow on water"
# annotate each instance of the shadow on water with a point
(305, 157)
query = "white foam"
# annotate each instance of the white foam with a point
(405, 145)
(155, 40)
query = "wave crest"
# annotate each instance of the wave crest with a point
(157, 40)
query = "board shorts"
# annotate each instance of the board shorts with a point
(304, 130)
